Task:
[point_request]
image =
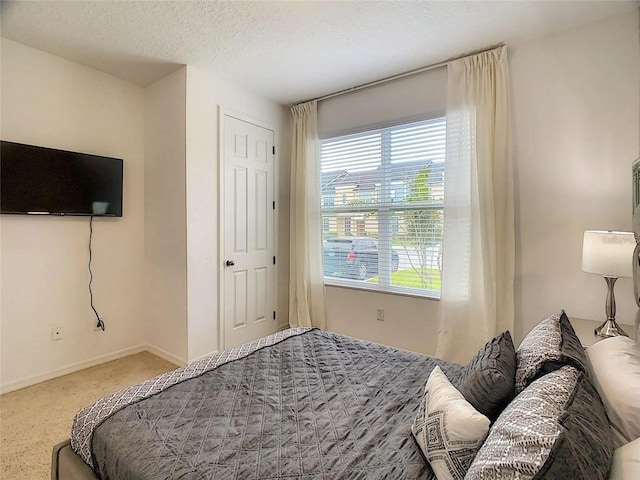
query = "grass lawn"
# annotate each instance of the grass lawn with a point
(410, 278)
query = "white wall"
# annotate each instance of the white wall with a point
(156, 269)
(576, 112)
(575, 106)
(52, 102)
(415, 97)
(410, 322)
(205, 96)
(282, 213)
(183, 218)
(202, 215)
(165, 219)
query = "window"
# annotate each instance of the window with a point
(366, 196)
(395, 224)
(393, 179)
(327, 199)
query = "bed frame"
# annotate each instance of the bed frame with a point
(67, 464)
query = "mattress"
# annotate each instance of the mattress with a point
(301, 404)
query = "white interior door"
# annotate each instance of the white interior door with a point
(248, 231)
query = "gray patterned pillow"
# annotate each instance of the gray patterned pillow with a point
(487, 382)
(548, 346)
(555, 429)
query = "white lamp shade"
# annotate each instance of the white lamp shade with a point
(608, 253)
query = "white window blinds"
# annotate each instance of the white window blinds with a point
(382, 207)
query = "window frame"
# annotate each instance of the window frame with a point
(385, 213)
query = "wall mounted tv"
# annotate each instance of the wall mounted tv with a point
(37, 180)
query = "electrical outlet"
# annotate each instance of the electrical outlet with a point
(380, 314)
(56, 333)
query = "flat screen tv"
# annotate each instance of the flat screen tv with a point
(38, 180)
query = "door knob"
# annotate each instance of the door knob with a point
(230, 263)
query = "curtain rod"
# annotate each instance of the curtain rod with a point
(398, 76)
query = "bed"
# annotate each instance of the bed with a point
(298, 404)
(307, 404)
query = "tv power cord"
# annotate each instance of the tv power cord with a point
(100, 323)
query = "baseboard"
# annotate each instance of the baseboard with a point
(74, 367)
(165, 355)
(200, 357)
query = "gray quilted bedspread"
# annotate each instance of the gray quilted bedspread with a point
(313, 406)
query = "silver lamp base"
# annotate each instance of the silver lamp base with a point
(609, 329)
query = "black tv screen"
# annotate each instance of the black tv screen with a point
(39, 180)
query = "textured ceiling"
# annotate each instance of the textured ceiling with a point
(285, 51)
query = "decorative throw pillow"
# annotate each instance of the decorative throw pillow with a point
(556, 428)
(615, 363)
(447, 428)
(487, 382)
(548, 346)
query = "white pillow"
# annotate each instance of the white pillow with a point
(626, 462)
(447, 428)
(616, 364)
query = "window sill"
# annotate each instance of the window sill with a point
(356, 285)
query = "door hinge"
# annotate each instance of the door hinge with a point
(274, 314)
(274, 205)
(274, 149)
(274, 259)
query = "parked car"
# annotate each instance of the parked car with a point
(353, 257)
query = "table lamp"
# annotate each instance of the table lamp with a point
(608, 254)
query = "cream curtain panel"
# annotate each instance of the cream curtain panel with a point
(479, 246)
(306, 278)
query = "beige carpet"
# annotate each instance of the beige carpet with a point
(34, 419)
